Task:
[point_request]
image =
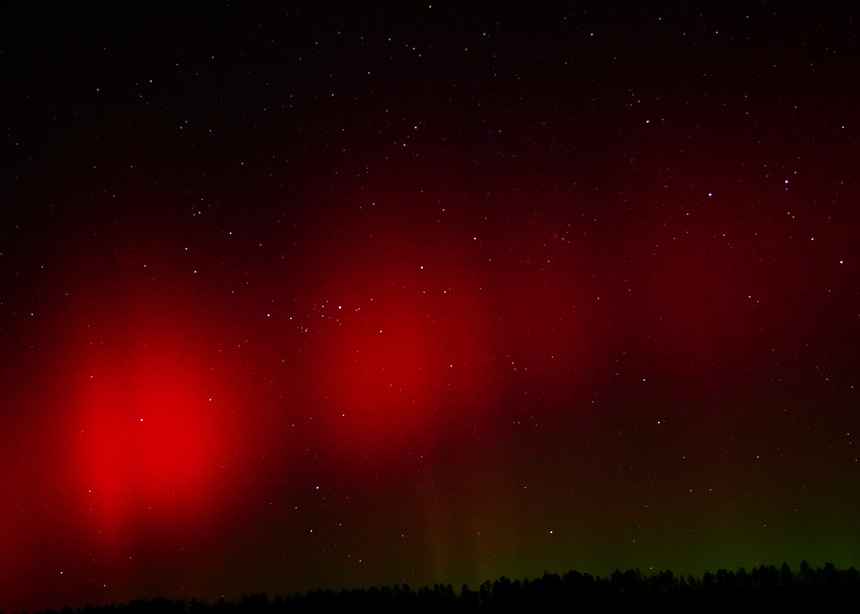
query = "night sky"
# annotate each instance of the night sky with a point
(336, 295)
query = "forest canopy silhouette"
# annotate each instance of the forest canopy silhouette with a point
(765, 584)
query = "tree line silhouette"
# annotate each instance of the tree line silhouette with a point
(572, 591)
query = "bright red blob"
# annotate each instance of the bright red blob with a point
(403, 346)
(152, 442)
(394, 368)
(385, 359)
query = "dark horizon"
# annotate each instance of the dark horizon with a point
(766, 584)
(424, 294)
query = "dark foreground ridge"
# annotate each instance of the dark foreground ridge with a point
(571, 592)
